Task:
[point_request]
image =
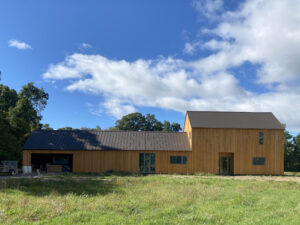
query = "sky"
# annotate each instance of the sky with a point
(100, 60)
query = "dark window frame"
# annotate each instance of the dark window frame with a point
(181, 159)
(259, 161)
(261, 137)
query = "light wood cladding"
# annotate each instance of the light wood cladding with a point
(103, 161)
(208, 143)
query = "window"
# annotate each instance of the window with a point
(259, 161)
(147, 162)
(178, 159)
(261, 138)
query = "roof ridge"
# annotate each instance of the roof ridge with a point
(113, 131)
(226, 111)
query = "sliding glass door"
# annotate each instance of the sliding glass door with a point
(147, 163)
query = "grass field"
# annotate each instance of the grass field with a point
(156, 199)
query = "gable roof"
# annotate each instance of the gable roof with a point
(246, 120)
(107, 140)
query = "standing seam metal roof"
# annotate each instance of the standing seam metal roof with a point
(245, 120)
(107, 140)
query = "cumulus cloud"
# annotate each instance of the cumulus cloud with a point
(18, 44)
(260, 32)
(263, 32)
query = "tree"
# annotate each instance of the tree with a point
(288, 152)
(8, 98)
(67, 128)
(46, 126)
(20, 114)
(132, 122)
(297, 153)
(151, 123)
(37, 97)
(98, 128)
(176, 127)
(138, 122)
(166, 126)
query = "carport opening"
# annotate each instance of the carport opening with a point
(52, 162)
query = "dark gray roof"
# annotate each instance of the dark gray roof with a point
(247, 120)
(107, 140)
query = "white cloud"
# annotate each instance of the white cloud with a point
(166, 83)
(85, 45)
(191, 47)
(266, 32)
(19, 45)
(208, 8)
(262, 32)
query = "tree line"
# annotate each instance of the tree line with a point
(291, 152)
(20, 114)
(131, 122)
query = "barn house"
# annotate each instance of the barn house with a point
(226, 143)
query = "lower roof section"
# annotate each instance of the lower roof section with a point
(107, 140)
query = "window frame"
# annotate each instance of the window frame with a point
(261, 137)
(178, 159)
(258, 161)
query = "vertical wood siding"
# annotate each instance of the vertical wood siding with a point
(209, 143)
(188, 129)
(103, 161)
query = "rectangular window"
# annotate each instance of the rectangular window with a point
(261, 138)
(178, 159)
(259, 161)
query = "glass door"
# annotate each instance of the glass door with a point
(226, 165)
(147, 163)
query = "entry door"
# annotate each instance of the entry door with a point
(226, 165)
(147, 163)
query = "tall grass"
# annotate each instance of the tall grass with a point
(153, 199)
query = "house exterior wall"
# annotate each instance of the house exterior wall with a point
(188, 129)
(210, 143)
(114, 160)
(207, 144)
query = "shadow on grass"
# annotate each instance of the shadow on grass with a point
(60, 186)
(106, 174)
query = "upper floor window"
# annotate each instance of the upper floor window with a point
(261, 138)
(178, 159)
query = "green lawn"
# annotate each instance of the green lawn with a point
(155, 199)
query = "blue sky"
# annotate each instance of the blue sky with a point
(99, 60)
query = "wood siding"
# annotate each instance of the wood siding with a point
(209, 144)
(188, 129)
(103, 161)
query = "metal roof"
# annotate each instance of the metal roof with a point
(245, 120)
(107, 140)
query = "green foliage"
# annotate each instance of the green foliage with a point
(291, 152)
(67, 128)
(138, 122)
(20, 114)
(153, 199)
(98, 128)
(45, 126)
